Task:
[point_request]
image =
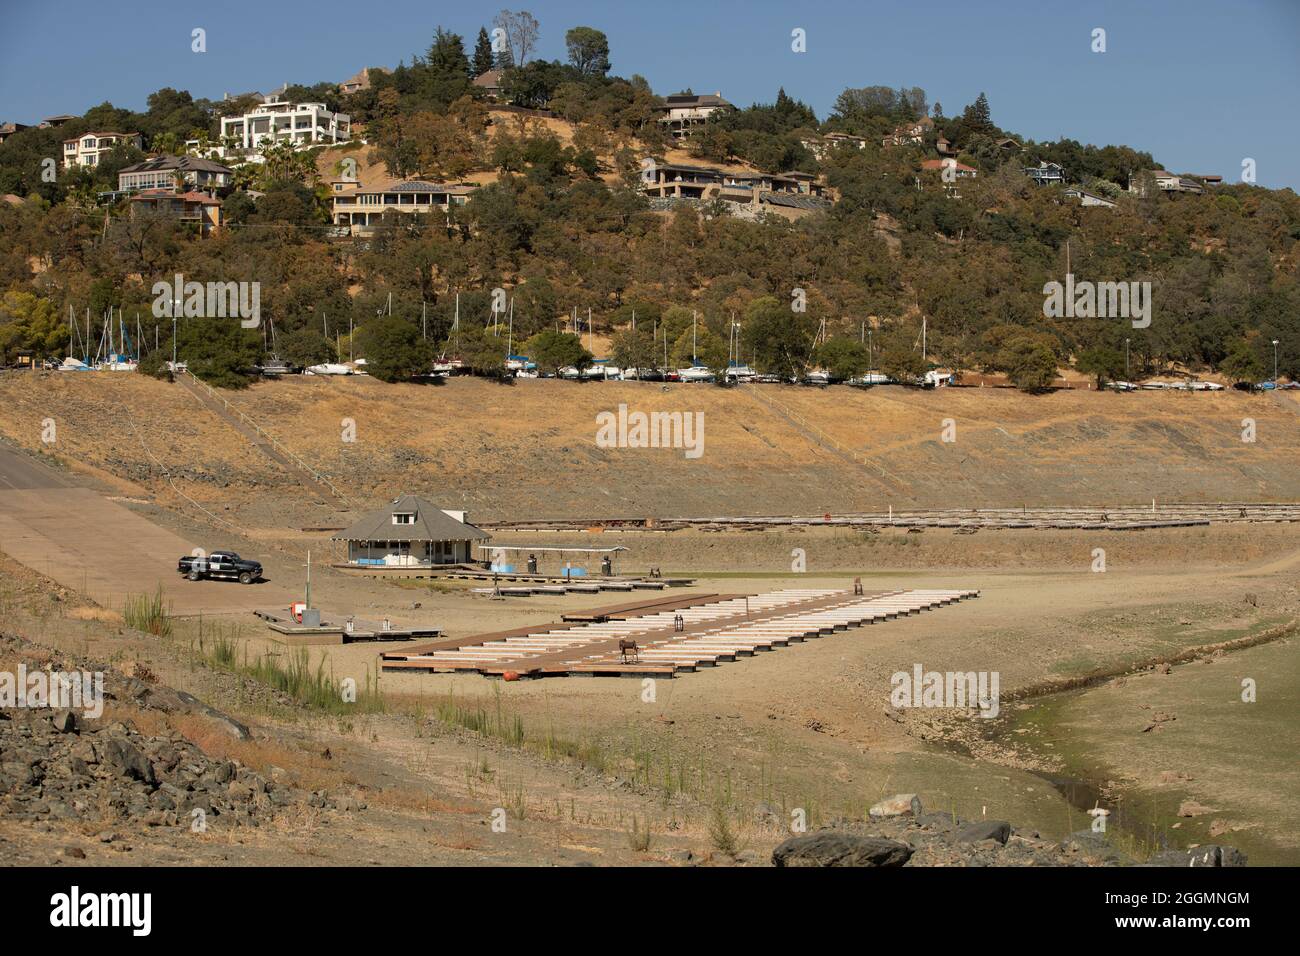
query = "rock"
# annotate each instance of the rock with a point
(998, 830)
(120, 753)
(681, 856)
(833, 848)
(72, 852)
(1190, 808)
(942, 822)
(66, 722)
(1208, 855)
(899, 805)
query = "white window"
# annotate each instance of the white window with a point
(403, 517)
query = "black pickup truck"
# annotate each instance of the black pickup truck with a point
(225, 565)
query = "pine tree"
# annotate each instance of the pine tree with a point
(483, 60)
(977, 115)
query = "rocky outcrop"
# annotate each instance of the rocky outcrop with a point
(899, 833)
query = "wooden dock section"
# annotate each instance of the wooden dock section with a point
(669, 639)
(286, 630)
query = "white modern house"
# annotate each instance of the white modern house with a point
(86, 149)
(302, 124)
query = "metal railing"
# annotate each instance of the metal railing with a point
(316, 476)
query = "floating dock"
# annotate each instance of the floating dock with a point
(288, 631)
(672, 637)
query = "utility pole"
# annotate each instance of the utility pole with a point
(1275, 361)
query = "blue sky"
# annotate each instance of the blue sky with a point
(1201, 85)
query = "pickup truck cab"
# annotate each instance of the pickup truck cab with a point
(221, 565)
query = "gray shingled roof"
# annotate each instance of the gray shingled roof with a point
(430, 524)
(184, 163)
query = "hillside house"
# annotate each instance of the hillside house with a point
(1168, 183)
(1090, 199)
(411, 532)
(686, 112)
(86, 149)
(302, 124)
(196, 208)
(8, 129)
(792, 190)
(959, 170)
(909, 134)
(821, 146)
(1046, 174)
(361, 208)
(489, 82)
(163, 172)
(360, 80)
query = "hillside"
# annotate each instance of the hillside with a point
(528, 449)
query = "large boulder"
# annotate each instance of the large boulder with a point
(899, 805)
(833, 848)
(998, 830)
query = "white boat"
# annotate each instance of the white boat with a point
(740, 373)
(696, 373)
(71, 364)
(328, 368)
(118, 363)
(817, 377)
(873, 378)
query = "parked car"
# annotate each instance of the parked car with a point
(220, 565)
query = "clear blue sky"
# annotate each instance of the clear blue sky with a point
(1199, 84)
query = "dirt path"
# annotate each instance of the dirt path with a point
(101, 549)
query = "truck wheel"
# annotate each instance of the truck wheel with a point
(245, 577)
(193, 575)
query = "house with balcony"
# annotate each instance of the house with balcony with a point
(198, 209)
(300, 124)
(86, 149)
(359, 209)
(684, 113)
(792, 191)
(164, 172)
(1167, 182)
(1046, 174)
